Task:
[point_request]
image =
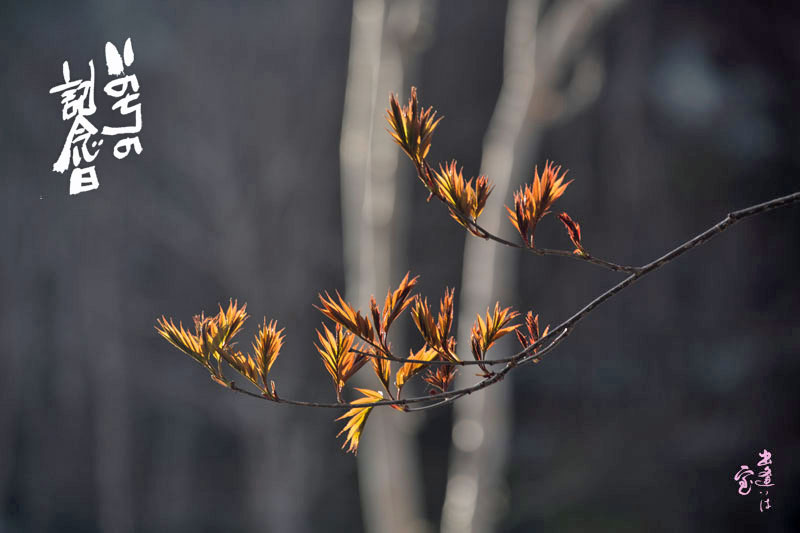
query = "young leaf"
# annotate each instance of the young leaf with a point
(424, 321)
(460, 196)
(382, 368)
(574, 231)
(436, 334)
(266, 348)
(340, 361)
(344, 314)
(397, 301)
(410, 369)
(532, 325)
(181, 339)
(411, 126)
(209, 340)
(444, 322)
(484, 334)
(440, 377)
(243, 364)
(231, 320)
(358, 419)
(532, 202)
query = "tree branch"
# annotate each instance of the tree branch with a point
(557, 334)
(483, 233)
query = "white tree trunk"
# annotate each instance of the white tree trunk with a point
(385, 38)
(480, 429)
(537, 51)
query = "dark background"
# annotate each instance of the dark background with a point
(639, 422)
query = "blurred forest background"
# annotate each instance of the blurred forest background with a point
(267, 176)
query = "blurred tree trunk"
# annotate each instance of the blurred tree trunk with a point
(111, 404)
(386, 39)
(480, 427)
(538, 50)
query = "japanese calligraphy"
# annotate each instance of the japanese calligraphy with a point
(84, 139)
(762, 480)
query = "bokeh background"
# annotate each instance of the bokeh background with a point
(668, 114)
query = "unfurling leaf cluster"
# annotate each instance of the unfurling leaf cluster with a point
(211, 343)
(464, 201)
(412, 128)
(486, 333)
(346, 347)
(339, 359)
(532, 202)
(437, 333)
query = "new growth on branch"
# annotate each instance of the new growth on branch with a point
(355, 338)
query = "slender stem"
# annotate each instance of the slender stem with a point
(702, 238)
(479, 231)
(440, 403)
(586, 257)
(494, 378)
(436, 362)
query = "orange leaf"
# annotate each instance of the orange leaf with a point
(411, 126)
(436, 334)
(532, 202)
(486, 333)
(532, 325)
(344, 314)
(460, 196)
(440, 378)
(397, 301)
(574, 231)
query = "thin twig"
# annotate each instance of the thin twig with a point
(481, 232)
(435, 362)
(494, 378)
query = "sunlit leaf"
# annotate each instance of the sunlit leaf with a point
(397, 301)
(200, 346)
(440, 378)
(436, 334)
(532, 325)
(266, 348)
(343, 313)
(341, 362)
(358, 419)
(411, 369)
(382, 368)
(411, 126)
(485, 333)
(532, 202)
(462, 198)
(180, 338)
(224, 326)
(574, 231)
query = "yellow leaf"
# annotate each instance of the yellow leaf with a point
(358, 419)
(341, 362)
(180, 338)
(410, 369)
